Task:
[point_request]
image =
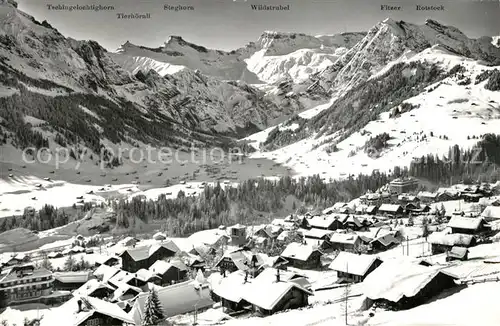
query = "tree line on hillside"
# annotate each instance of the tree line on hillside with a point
(480, 163)
(46, 218)
(247, 203)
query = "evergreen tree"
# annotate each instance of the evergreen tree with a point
(46, 263)
(153, 311)
(70, 264)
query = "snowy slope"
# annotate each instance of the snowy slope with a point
(451, 109)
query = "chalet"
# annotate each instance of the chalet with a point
(345, 242)
(128, 242)
(231, 289)
(86, 311)
(107, 260)
(56, 254)
(353, 267)
(466, 225)
(105, 272)
(125, 278)
(177, 299)
(159, 236)
(317, 234)
(169, 273)
(457, 253)
(414, 209)
(404, 285)
(442, 242)
(403, 185)
(148, 276)
(352, 223)
(390, 210)
(238, 234)
(240, 259)
(472, 198)
(134, 259)
(94, 288)
(202, 250)
(269, 298)
(428, 197)
(325, 222)
(70, 281)
(302, 255)
(383, 243)
(375, 199)
(491, 213)
(404, 199)
(445, 194)
(125, 292)
(334, 209)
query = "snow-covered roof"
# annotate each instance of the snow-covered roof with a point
(233, 286)
(161, 267)
(175, 299)
(454, 239)
(106, 272)
(68, 314)
(316, 233)
(427, 194)
(491, 213)
(91, 286)
(72, 277)
(396, 279)
(346, 238)
(353, 263)
(122, 289)
(467, 223)
(159, 236)
(389, 208)
(322, 221)
(145, 275)
(298, 251)
(267, 295)
(354, 220)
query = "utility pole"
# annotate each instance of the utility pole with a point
(407, 246)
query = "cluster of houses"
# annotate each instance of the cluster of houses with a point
(235, 268)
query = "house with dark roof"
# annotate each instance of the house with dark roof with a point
(133, 259)
(70, 281)
(177, 299)
(352, 267)
(302, 255)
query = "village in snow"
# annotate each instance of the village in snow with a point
(396, 256)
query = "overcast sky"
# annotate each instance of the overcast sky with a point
(227, 25)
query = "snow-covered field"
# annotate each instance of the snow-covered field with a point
(18, 192)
